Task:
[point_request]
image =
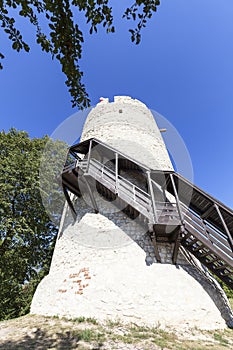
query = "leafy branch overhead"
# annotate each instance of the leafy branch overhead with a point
(65, 38)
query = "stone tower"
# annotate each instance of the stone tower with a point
(111, 262)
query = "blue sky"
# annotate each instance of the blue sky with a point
(183, 69)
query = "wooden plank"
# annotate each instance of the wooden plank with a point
(89, 156)
(191, 242)
(230, 239)
(228, 273)
(205, 254)
(213, 235)
(207, 212)
(193, 218)
(152, 195)
(136, 205)
(212, 248)
(215, 238)
(93, 201)
(212, 261)
(72, 187)
(220, 267)
(128, 191)
(216, 248)
(177, 199)
(195, 231)
(116, 170)
(73, 212)
(176, 247)
(222, 246)
(157, 255)
(209, 199)
(198, 248)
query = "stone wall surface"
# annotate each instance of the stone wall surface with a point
(129, 126)
(111, 278)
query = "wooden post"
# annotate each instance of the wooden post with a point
(230, 240)
(89, 156)
(176, 247)
(116, 171)
(93, 201)
(182, 228)
(177, 200)
(151, 192)
(134, 193)
(74, 214)
(157, 255)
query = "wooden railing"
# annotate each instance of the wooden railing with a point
(165, 212)
(125, 189)
(70, 167)
(207, 234)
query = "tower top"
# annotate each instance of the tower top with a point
(129, 126)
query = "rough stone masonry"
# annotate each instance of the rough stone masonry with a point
(104, 264)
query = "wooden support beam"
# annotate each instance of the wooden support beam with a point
(212, 261)
(153, 239)
(74, 154)
(73, 212)
(93, 201)
(182, 227)
(176, 247)
(227, 273)
(207, 212)
(205, 254)
(116, 171)
(220, 267)
(177, 201)
(89, 156)
(199, 247)
(61, 224)
(151, 192)
(230, 239)
(205, 230)
(186, 236)
(191, 242)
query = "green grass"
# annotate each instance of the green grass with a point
(37, 332)
(89, 335)
(82, 319)
(219, 337)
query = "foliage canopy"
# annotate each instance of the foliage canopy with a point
(27, 234)
(64, 38)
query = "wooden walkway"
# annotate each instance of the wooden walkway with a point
(205, 225)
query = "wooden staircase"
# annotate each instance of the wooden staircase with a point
(194, 219)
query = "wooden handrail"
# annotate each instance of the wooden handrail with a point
(209, 239)
(133, 194)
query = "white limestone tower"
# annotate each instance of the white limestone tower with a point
(105, 265)
(129, 126)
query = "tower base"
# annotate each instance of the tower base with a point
(123, 281)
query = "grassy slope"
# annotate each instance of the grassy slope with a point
(38, 332)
